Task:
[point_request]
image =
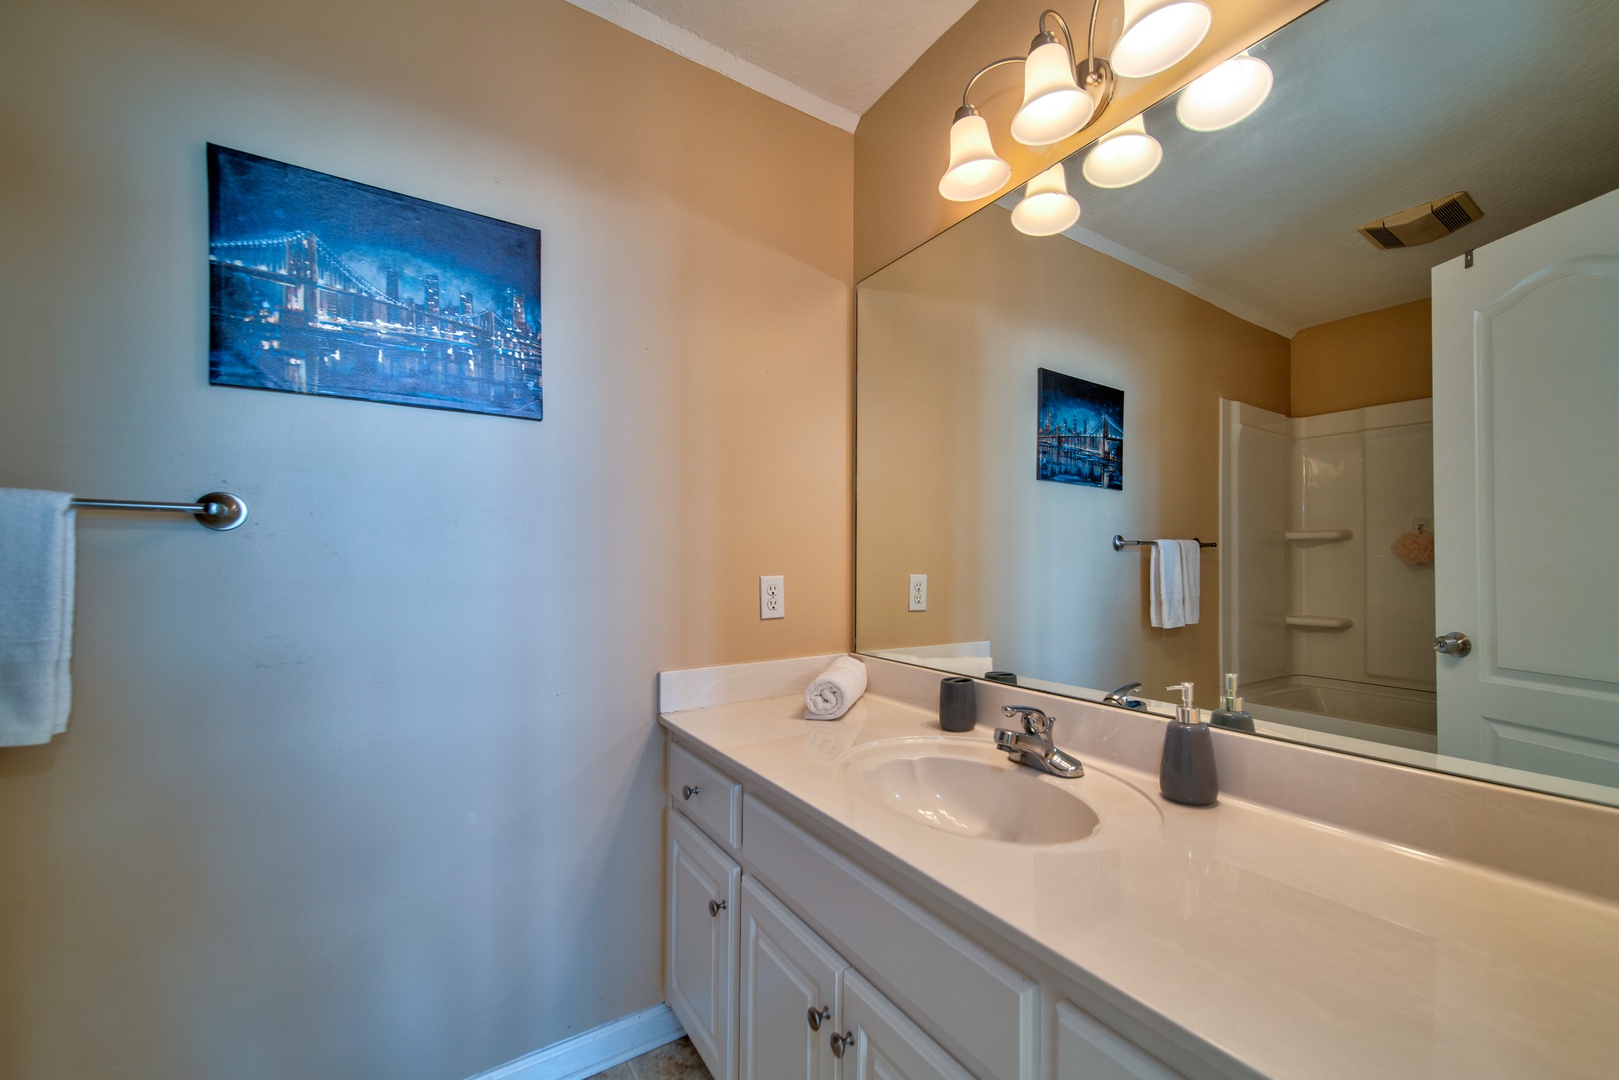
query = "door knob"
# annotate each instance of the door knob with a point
(840, 1043)
(1452, 644)
(715, 907)
(817, 1016)
(688, 791)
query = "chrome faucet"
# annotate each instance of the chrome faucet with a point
(1032, 746)
(1121, 697)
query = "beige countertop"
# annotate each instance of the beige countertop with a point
(1296, 948)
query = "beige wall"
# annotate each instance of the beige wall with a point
(371, 788)
(903, 141)
(1371, 359)
(950, 341)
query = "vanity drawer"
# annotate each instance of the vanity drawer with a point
(706, 796)
(977, 1007)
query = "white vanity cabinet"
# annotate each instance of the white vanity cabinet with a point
(789, 1004)
(700, 960)
(759, 964)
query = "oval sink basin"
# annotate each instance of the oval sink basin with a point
(972, 789)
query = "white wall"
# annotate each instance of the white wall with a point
(371, 787)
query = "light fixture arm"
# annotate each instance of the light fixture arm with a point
(985, 70)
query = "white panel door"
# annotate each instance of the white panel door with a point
(789, 1003)
(880, 1043)
(1526, 474)
(701, 961)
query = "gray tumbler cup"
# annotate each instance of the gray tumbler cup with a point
(958, 704)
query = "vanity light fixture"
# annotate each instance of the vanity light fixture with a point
(1227, 95)
(975, 171)
(1047, 208)
(1124, 156)
(1158, 34)
(1061, 95)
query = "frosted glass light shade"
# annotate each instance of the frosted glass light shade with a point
(1047, 208)
(975, 171)
(1158, 34)
(1124, 156)
(1228, 94)
(1054, 107)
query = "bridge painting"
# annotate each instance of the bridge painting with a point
(320, 285)
(1081, 435)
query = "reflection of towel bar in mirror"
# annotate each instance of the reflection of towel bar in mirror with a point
(1120, 543)
(1305, 536)
(217, 510)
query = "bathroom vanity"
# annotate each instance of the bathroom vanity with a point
(874, 897)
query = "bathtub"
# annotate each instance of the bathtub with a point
(1385, 714)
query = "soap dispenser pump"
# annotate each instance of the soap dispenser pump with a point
(1186, 772)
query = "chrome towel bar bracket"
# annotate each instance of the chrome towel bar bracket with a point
(217, 510)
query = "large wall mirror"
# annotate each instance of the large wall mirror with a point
(1383, 427)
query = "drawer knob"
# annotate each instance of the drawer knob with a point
(688, 791)
(818, 1015)
(840, 1043)
(715, 907)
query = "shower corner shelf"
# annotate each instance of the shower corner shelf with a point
(1317, 536)
(1320, 622)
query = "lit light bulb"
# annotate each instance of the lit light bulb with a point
(1158, 34)
(1228, 94)
(1054, 107)
(1124, 156)
(1047, 208)
(975, 171)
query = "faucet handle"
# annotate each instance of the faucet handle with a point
(1035, 722)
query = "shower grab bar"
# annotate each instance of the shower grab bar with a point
(217, 510)
(1120, 543)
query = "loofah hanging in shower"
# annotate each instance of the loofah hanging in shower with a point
(1414, 548)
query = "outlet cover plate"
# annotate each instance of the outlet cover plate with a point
(919, 592)
(772, 597)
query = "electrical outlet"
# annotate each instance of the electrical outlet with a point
(919, 592)
(772, 597)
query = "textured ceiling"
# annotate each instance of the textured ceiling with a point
(830, 58)
(1379, 105)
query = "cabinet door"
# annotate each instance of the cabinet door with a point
(881, 1043)
(701, 968)
(787, 974)
(1086, 1050)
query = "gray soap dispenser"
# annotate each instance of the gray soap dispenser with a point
(1230, 713)
(1186, 772)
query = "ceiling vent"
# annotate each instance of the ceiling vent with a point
(1423, 224)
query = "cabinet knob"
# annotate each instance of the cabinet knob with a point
(840, 1043)
(818, 1015)
(688, 791)
(715, 907)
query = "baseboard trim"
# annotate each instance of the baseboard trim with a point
(594, 1051)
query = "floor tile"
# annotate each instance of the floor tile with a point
(675, 1061)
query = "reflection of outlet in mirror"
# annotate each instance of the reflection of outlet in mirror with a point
(772, 597)
(919, 592)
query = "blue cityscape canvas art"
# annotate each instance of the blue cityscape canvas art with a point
(320, 285)
(1081, 436)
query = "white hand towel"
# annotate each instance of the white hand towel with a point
(831, 693)
(1191, 577)
(1168, 599)
(36, 614)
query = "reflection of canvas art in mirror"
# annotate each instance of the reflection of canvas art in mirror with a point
(1081, 436)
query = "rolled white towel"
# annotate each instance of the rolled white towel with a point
(834, 691)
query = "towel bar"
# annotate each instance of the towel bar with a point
(1120, 543)
(218, 510)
